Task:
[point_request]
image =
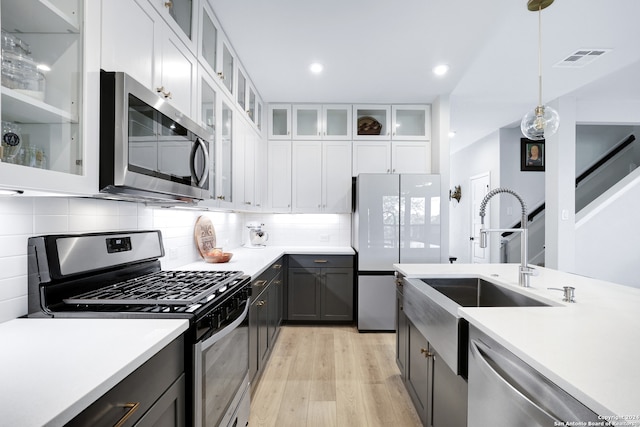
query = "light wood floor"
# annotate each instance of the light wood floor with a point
(332, 376)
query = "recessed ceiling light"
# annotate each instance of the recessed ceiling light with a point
(440, 70)
(43, 67)
(316, 68)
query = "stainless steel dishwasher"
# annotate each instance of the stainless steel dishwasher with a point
(505, 391)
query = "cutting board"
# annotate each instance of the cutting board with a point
(205, 235)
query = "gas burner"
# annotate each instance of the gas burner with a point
(162, 288)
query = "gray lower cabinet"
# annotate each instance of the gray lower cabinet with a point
(437, 393)
(402, 333)
(265, 317)
(152, 395)
(320, 288)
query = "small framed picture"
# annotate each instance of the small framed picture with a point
(531, 155)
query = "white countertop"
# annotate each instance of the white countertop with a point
(253, 261)
(52, 369)
(589, 348)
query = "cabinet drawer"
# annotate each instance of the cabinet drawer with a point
(136, 394)
(259, 284)
(321, 261)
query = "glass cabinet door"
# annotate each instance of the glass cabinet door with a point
(242, 90)
(42, 86)
(251, 111)
(337, 121)
(227, 68)
(411, 122)
(181, 12)
(280, 121)
(225, 167)
(208, 106)
(306, 122)
(259, 116)
(209, 40)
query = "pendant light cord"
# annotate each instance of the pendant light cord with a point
(540, 54)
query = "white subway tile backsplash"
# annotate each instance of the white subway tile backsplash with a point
(13, 266)
(13, 287)
(13, 245)
(21, 218)
(50, 224)
(51, 206)
(12, 224)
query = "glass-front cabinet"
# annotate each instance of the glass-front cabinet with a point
(336, 121)
(306, 121)
(224, 187)
(209, 40)
(411, 122)
(242, 90)
(279, 121)
(371, 122)
(45, 102)
(179, 14)
(227, 68)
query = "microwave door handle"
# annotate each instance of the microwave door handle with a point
(199, 181)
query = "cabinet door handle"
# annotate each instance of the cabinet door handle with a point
(168, 4)
(320, 261)
(261, 303)
(277, 282)
(260, 283)
(131, 408)
(277, 266)
(221, 75)
(426, 352)
(220, 197)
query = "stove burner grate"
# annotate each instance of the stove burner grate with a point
(161, 288)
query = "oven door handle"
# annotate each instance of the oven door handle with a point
(204, 345)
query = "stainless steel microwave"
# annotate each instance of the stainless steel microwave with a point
(149, 151)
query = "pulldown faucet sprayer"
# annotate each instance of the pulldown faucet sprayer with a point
(525, 271)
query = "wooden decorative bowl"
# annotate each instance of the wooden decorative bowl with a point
(225, 257)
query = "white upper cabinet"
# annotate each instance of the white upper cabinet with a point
(279, 176)
(137, 41)
(411, 157)
(209, 40)
(50, 119)
(411, 122)
(371, 157)
(313, 122)
(279, 121)
(307, 123)
(228, 67)
(397, 122)
(336, 122)
(372, 122)
(321, 176)
(181, 16)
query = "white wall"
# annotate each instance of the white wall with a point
(607, 234)
(593, 141)
(472, 160)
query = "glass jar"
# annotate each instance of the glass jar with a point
(11, 142)
(19, 70)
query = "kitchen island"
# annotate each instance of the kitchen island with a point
(589, 348)
(52, 369)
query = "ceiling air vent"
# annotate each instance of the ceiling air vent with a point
(582, 57)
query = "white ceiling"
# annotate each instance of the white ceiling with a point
(382, 52)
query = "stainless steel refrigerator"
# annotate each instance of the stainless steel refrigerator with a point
(396, 220)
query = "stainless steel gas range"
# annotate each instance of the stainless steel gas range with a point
(118, 275)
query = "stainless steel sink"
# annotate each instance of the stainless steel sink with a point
(473, 292)
(432, 306)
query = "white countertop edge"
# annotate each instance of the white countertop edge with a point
(66, 375)
(254, 261)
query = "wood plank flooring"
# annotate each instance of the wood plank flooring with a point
(328, 376)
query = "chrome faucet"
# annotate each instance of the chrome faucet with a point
(524, 271)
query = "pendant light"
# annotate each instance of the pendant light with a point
(543, 121)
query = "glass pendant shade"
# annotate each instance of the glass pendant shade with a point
(540, 123)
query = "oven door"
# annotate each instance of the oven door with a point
(221, 370)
